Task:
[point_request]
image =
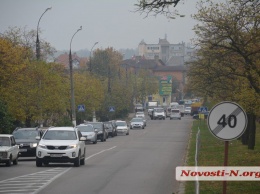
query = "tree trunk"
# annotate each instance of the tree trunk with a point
(244, 137)
(252, 129)
(28, 121)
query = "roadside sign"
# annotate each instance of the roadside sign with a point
(203, 109)
(112, 109)
(81, 108)
(227, 121)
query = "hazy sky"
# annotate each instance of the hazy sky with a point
(112, 23)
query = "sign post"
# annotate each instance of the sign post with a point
(227, 121)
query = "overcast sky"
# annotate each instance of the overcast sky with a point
(112, 23)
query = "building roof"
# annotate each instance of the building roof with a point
(175, 61)
(142, 63)
(171, 68)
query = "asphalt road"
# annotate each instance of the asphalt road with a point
(142, 163)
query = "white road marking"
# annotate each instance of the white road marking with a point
(35, 182)
(99, 152)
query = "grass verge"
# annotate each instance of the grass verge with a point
(212, 154)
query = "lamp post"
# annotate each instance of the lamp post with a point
(90, 66)
(90, 70)
(38, 49)
(71, 83)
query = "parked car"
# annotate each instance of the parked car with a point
(141, 115)
(9, 151)
(122, 127)
(88, 131)
(110, 129)
(25, 138)
(61, 145)
(175, 114)
(113, 122)
(137, 123)
(102, 133)
(195, 115)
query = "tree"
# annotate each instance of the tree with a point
(165, 7)
(27, 39)
(6, 120)
(227, 65)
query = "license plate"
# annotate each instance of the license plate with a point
(23, 150)
(56, 155)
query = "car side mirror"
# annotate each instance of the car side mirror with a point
(37, 137)
(95, 130)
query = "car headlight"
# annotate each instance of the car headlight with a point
(72, 146)
(42, 146)
(33, 145)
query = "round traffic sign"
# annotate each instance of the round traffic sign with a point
(227, 121)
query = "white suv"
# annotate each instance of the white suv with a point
(61, 145)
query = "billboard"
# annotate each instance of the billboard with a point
(165, 85)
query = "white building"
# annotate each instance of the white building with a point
(170, 54)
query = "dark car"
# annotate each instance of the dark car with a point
(114, 125)
(26, 139)
(102, 132)
(110, 129)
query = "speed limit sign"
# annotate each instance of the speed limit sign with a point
(227, 121)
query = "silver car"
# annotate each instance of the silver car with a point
(88, 131)
(141, 115)
(137, 123)
(122, 127)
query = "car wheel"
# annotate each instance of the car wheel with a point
(82, 161)
(38, 162)
(77, 160)
(15, 162)
(46, 163)
(8, 163)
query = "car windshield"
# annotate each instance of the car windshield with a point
(188, 108)
(4, 141)
(98, 126)
(86, 128)
(158, 110)
(122, 123)
(25, 134)
(60, 135)
(139, 113)
(137, 120)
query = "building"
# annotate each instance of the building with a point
(170, 54)
(171, 78)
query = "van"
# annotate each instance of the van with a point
(175, 114)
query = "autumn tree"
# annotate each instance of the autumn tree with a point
(27, 39)
(227, 65)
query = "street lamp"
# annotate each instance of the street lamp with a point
(38, 49)
(90, 66)
(71, 83)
